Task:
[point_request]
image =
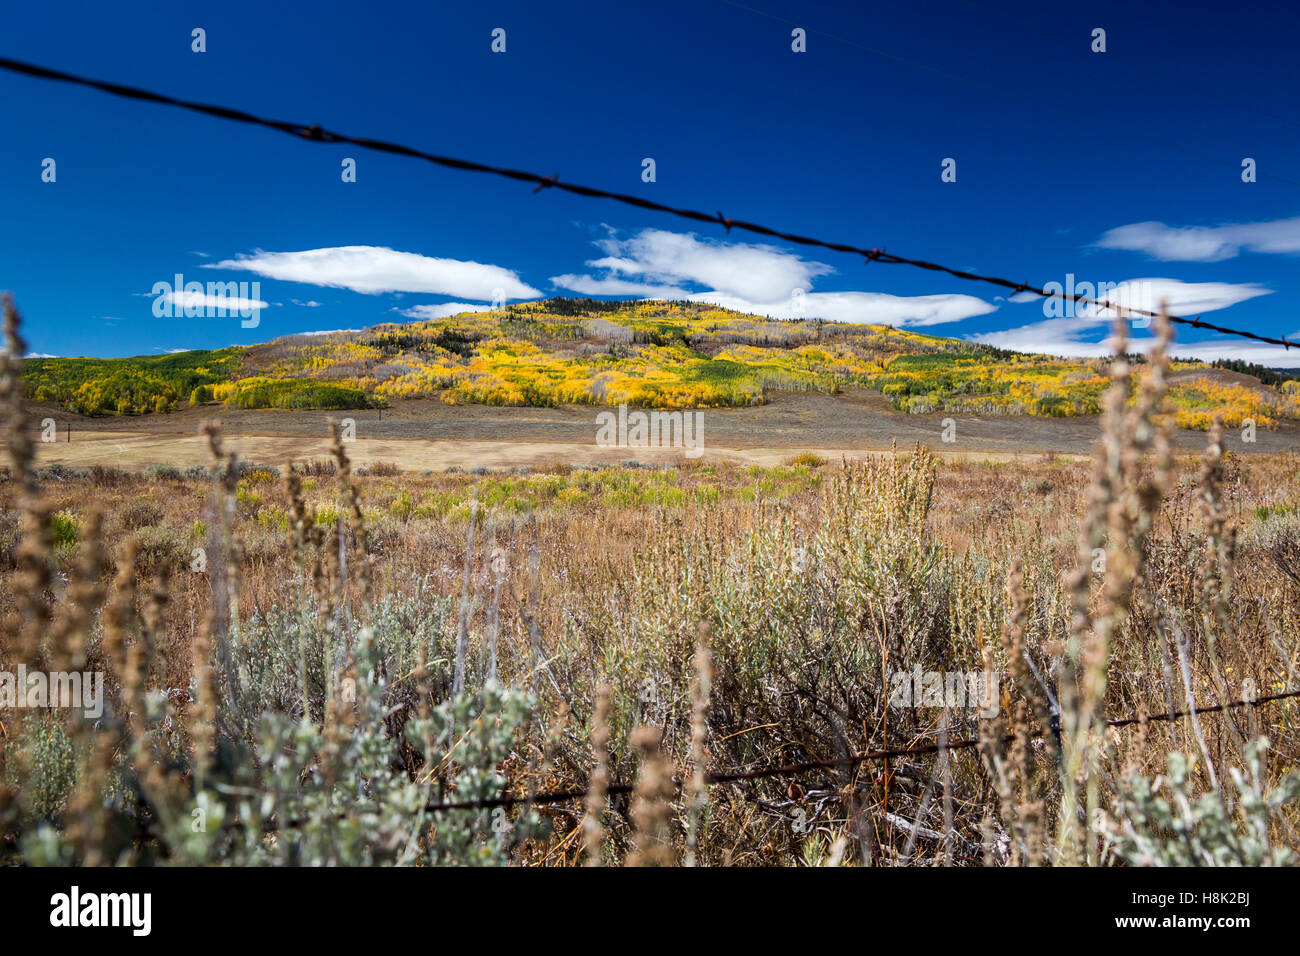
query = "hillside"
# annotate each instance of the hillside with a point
(665, 354)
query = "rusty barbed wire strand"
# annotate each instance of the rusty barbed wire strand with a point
(789, 770)
(619, 789)
(315, 133)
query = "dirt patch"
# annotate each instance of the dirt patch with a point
(134, 451)
(422, 433)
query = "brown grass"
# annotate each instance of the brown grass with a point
(816, 580)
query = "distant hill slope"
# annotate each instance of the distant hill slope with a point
(666, 354)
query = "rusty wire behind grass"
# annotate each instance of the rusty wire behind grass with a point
(790, 770)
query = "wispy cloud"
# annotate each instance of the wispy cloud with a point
(1205, 243)
(1071, 335)
(203, 301)
(1270, 356)
(1065, 337)
(376, 269)
(755, 278)
(760, 273)
(609, 285)
(1181, 298)
(871, 307)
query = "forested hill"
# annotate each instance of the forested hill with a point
(666, 354)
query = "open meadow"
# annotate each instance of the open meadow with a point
(466, 636)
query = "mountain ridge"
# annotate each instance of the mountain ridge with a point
(654, 353)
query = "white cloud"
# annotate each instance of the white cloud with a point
(1270, 356)
(754, 278)
(1050, 337)
(1182, 298)
(589, 285)
(374, 269)
(1066, 335)
(1205, 243)
(442, 309)
(192, 301)
(870, 307)
(309, 304)
(759, 273)
(40, 355)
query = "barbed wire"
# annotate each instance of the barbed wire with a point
(150, 830)
(839, 763)
(317, 134)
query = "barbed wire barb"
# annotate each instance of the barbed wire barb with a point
(790, 770)
(315, 133)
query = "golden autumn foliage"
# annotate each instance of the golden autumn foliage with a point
(1197, 403)
(649, 353)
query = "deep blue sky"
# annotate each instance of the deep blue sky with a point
(1055, 146)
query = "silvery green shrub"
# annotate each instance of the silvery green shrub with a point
(47, 754)
(286, 786)
(1165, 824)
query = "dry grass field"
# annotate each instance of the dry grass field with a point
(467, 604)
(420, 434)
